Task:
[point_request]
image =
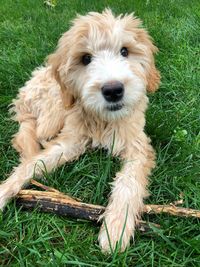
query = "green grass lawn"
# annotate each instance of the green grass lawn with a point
(29, 31)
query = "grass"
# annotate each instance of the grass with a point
(29, 31)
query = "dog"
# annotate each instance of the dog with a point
(92, 91)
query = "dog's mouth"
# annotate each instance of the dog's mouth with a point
(115, 107)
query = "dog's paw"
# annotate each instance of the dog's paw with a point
(114, 234)
(3, 196)
(2, 201)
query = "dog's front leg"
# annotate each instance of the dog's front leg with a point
(126, 201)
(64, 148)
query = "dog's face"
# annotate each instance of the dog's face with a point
(107, 63)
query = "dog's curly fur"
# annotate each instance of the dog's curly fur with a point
(62, 110)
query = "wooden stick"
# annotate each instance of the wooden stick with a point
(45, 187)
(54, 202)
(172, 210)
(51, 189)
(59, 203)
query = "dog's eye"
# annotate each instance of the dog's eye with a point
(124, 52)
(86, 59)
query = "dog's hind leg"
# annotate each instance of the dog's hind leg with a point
(25, 141)
(40, 112)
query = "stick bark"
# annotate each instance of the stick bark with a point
(57, 202)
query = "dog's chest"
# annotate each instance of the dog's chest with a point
(106, 136)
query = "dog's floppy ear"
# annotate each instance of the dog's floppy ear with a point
(147, 48)
(153, 78)
(59, 61)
(153, 75)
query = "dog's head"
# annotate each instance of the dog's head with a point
(105, 62)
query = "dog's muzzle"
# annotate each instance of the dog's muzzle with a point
(113, 91)
(115, 107)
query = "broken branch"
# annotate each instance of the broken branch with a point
(57, 202)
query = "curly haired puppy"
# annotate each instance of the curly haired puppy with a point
(91, 91)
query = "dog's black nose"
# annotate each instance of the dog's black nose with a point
(113, 91)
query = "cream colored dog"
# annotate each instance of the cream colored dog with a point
(92, 92)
